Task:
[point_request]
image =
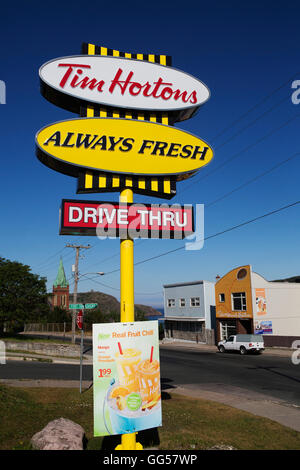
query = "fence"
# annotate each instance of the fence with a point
(47, 327)
(65, 327)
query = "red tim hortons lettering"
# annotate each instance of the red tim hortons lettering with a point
(69, 71)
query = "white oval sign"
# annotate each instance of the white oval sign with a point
(119, 82)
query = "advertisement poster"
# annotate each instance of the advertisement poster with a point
(263, 328)
(261, 303)
(126, 373)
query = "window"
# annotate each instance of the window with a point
(228, 328)
(239, 301)
(221, 297)
(195, 301)
(182, 302)
(242, 273)
(171, 302)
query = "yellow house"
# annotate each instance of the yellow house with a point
(234, 312)
(248, 303)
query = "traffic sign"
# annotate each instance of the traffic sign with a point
(90, 306)
(75, 306)
(80, 320)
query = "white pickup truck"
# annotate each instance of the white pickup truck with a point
(242, 343)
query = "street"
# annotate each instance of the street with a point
(263, 376)
(251, 375)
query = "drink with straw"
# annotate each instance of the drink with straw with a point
(127, 361)
(149, 380)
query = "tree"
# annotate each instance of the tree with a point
(23, 295)
(59, 315)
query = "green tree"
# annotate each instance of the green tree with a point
(23, 295)
(58, 315)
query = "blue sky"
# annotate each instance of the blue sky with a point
(246, 53)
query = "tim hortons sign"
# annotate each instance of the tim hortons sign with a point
(72, 82)
(112, 219)
(120, 146)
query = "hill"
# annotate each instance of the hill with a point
(108, 304)
(289, 279)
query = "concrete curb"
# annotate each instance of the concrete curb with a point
(43, 358)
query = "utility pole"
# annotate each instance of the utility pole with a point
(76, 276)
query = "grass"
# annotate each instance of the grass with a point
(33, 339)
(187, 423)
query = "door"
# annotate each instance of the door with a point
(228, 327)
(230, 343)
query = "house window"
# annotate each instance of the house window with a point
(182, 302)
(239, 301)
(171, 302)
(221, 297)
(242, 273)
(195, 301)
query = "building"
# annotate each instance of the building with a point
(248, 303)
(190, 311)
(60, 295)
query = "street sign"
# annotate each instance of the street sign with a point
(75, 306)
(82, 306)
(80, 320)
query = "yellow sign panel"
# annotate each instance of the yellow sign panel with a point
(121, 146)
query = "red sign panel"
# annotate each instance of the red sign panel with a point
(136, 220)
(79, 320)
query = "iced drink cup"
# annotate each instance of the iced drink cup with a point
(126, 366)
(149, 380)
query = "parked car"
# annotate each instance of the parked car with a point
(242, 343)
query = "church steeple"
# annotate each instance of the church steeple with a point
(60, 297)
(61, 280)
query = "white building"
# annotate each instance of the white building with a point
(190, 311)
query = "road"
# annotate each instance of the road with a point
(245, 376)
(252, 376)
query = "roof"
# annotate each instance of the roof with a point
(192, 283)
(61, 279)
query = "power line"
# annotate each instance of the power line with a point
(214, 235)
(50, 257)
(241, 151)
(252, 180)
(255, 106)
(118, 289)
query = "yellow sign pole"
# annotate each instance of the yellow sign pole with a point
(128, 441)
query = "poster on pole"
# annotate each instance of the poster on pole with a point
(126, 374)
